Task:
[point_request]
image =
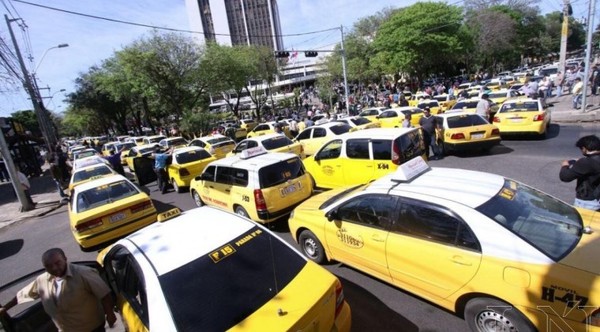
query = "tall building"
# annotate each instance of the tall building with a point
(237, 22)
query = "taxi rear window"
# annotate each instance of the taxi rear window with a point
(276, 142)
(220, 141)
(105, 194)
(178, 141)
(529, 106)
(90, 173)
(191, 156)
(280, 172)
(466, 120)
(548, 224)
(340, 129)
(219, 290)
(461, 105)
(410, 145)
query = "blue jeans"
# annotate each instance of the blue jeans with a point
(590, 205)
(558, 91)
(577, 100)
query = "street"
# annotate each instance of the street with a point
(376, 306)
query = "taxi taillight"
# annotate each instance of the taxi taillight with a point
(457, 136)
(88, 225)
(141, 206)
(538, 117)
(496, 131)
(183, 172)
(339, 298)
(396, 154)
(259, 200)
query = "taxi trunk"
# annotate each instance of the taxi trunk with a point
(97, 226)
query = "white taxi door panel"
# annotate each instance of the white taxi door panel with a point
(358, 167)
(432, 251)
(329, 172)
(358, 234)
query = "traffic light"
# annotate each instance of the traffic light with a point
(310, 54)
(282, 54)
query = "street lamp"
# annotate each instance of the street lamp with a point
(46, 52)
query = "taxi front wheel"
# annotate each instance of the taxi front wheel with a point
(312, 247)
(487, 314)
(197, 198)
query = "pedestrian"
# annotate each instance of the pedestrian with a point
(293, 127)
(559, 80)
(160, 167)
(577, 92)
(74, 296)
(429, 125)
(301, 125)
(115, 159)
(402, 102)
(3, 172)
(26, 185)
(278, 129)
(586, 170)
(406, 122)
(484, 107)
(56, 173)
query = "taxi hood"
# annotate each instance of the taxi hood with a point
(584, 255)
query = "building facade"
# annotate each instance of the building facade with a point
(236, 22)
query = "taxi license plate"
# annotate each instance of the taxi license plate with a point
(516, 119)
(477, 136)
(117, 217)
(290, 189)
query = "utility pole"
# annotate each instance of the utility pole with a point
(12, 171)
(41, 113)
(588, 54)
(563, 36)
(344, 71)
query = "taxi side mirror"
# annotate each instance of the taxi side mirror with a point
(317, 157)
(332, 215)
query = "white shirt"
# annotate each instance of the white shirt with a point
(23, 179)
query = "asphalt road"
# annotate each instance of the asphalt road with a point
(376, 306)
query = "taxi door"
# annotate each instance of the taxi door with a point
(218, 193)
(144, 170)
(358, 233)
(358, 167)
(327, 169)
(430, 250)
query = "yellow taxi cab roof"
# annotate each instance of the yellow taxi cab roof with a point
(184, 238)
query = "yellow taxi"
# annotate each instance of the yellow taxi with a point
(106, 209)
(218, 145)
(467, 132)
(358, 123)
(84, 174)
(500, 96)
(446, 101)
(248, 124)
(89, 161)
(269, 128)
(500, 254)
(138, 151)
(372, 113)
(313, 137)
(523, 116)
(124, 148)
(153, 139)
(495, 85)
(271, 143)
(83, 153)
(362, 156)
(187, 163)
(215, 271)
(108, 147)
(172, 142)
(138, 140)
(394, 117)
(257, 185)
(418, 97)
(466, 105)
(433, 105)
(522, 77)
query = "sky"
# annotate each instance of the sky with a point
(93, 40)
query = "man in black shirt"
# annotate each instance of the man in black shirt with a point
(586, 171)
(429, 124)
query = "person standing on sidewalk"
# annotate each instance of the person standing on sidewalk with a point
(558, 83)
(74, 296)
(577, 93)
(586, 171)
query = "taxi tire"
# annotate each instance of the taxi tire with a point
(241, 212)
(481, 312)
(311, 247)
(177, 188)
(197, 200)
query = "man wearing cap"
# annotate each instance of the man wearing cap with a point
(484, 106)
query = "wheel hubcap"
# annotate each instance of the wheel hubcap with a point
(310, 247)
(197, 199)
(491, 321)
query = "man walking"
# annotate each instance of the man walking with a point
(429, 125)
(484, 107)
(160, 167)
(74, 296)
(577, 93)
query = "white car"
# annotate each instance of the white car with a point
(88, 161)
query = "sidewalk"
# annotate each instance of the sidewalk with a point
(43, 192)
(563, 112)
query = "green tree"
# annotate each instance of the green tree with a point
(27, 119)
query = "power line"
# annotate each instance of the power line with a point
(166, 28)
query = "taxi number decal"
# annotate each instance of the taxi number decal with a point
(570, 298)
(245, 198)
(221, 253)
(349, 240)
(383, 166)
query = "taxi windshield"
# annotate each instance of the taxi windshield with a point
(220, 141)
(125, 146)
(465, 104)
(90, 173)
(176, 141)
(529, 106)
(191, 156)
(106, 194)
(340, 129)
(548, 224)
(243, 280)
(360, 121)
(276, 142)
